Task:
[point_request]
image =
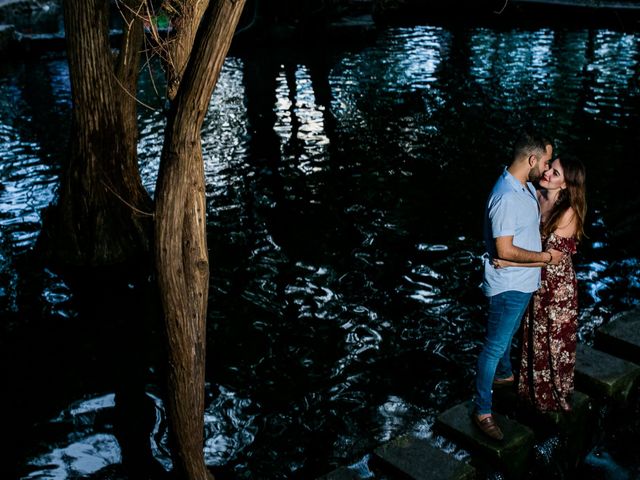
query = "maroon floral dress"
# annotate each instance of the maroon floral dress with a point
(549, 334)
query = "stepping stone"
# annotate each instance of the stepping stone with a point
(581, 410)
(621, 336)
(577, 427)
(510, 454)
(342, 473)
(416, 459)
(506, 401)
(604, 376)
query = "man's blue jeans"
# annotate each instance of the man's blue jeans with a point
(505, 312)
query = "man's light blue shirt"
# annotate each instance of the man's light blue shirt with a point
(512, 210)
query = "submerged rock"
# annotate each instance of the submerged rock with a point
(7, 34)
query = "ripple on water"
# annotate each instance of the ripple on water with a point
(78, 459)
(229, 427)
(85, 449)
(384, 164)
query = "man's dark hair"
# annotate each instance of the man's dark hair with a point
(529, 143)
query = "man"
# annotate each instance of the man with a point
(511, 232)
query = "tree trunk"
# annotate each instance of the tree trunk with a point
(126, 70)
(180, 232)
(103, 215)
(187, 20)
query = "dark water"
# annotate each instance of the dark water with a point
(345, 192)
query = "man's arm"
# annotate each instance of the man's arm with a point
(499, 263)
(508, 251)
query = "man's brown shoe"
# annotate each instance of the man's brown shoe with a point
(489, 427)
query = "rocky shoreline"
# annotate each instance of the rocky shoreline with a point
(25, 18)
(32, 16)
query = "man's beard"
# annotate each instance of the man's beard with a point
(535, 174)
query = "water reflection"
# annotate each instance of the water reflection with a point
(344, 193)
(86, 450)
(78, 459)
(300, 121)
(613, 68)
(86, 445)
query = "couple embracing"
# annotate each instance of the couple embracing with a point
(530, 235)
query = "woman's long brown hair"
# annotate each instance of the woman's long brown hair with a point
(573, 196)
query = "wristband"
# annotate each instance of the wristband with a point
(550, 257)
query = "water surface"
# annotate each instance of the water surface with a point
(345, 191)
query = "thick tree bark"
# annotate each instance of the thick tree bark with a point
(103, 214)
(187, 21)
(180, 232)
(126, 70)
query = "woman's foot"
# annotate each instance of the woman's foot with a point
(504, 382)
(487, 424)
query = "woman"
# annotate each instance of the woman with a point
(550, 325)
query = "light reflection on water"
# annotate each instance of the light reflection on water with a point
(229, 428)
(87, 451)
(344, 234)
(79, 458)
(613, 73)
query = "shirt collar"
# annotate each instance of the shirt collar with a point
(515, 183)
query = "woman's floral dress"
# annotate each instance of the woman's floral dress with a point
(549, 336)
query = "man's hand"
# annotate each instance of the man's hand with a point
(556, 256)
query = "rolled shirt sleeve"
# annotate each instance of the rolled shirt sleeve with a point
(503, 214)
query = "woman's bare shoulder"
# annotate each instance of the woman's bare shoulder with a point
(566, 224)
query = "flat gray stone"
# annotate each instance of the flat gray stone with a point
(414, 458)
(510, 454)
(342, 473)
(621, 336)
(506, 401)
(577, 427)
(604, 376)
(360, 21)
(581, 410)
